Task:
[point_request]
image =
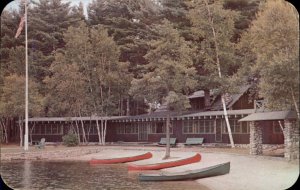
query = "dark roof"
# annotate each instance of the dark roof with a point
(273, 115)
(219, 113)
(163, 115)
(72, 118)
(217, 105)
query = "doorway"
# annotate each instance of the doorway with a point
(143, 132)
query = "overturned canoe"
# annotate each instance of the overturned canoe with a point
(215, 170)
(122, 159)
(157, 166)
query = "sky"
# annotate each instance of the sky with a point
(14, 4)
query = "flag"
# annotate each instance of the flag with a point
(21, 26)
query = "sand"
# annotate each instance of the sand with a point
(246, 172)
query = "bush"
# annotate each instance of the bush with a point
(70, 139)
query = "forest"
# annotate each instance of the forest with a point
(126, 57)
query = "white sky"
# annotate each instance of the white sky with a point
(14, 4)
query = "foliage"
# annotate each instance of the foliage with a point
(214, 45)
(70, 139)
(86, 66)
(13, 97)
(274, 41)
(129, 23)
(247, 10)
(169, 69)
(87, 76)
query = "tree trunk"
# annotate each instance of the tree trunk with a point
(295, 104)
(30, 133)
(120, 105)
(21, 131)
(102, 131)
(4, 132)
(83, 132)
(82, 128)
(98, 131)
(168, 149)
(128, 106)
(104, 134)
(219, 71)
(78, 132)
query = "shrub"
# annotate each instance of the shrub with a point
(70, 139)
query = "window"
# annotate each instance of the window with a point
(236, 127)
(55, 129)
(127, 128)
(43, 129)
(121, 129)
(245, 127)
(201, 126)
(93, 130)
(48, 129)
(187, 126)
(131, 128)
(209, 126)
(159, 127)
(198, 126)
(36, 129)
(135, 128)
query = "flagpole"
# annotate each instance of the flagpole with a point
(26, 82)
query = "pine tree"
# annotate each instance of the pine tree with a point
(169, 76)
(215, 27)
(129, 23)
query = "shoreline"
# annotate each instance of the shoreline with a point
(247, 171)
(74, 153)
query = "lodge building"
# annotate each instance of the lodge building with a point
(250, 124)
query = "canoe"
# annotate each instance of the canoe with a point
(215, 170)
(121, 160)
(157, 166)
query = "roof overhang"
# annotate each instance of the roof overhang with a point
(54, 119)
(272, 115)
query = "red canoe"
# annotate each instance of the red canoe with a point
(157, 166)
(121, 160)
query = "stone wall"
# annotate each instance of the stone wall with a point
(256, 147)
(291, 140)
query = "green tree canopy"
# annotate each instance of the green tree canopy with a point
(274, 42)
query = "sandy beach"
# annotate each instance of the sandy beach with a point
(247, 172)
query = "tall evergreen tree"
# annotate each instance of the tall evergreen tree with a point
(247, 10)
(169, 76)
(129, 23)
(47, 20)
(215, 26)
